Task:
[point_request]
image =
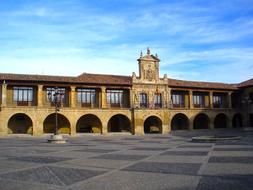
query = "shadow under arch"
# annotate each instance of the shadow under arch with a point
(237, 121)
(63, 124)
(89, 123)
(220, 121)
(119, 123)
(20, 123)
(180, 122)
(201, 121)
(153, 124)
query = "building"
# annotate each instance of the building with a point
(140, 104)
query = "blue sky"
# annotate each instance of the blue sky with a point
(195, 39)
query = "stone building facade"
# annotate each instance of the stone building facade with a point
(104, 104)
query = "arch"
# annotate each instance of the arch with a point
(180, 122)
(220, 121)
(20, 123)
(63, 124)
(119, 123)
(201, 121)
(237, 121)
(89, 123)
(153, 124)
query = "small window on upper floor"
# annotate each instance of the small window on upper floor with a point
(158, 100)
(22, 94)
(143, 100)
(86, 96)
(52, 91)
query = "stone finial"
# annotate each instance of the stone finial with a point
(156, 55)
(141, 55)
(148, 51)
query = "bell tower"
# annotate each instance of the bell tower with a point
(148, 67)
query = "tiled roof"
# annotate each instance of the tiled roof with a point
(35, 78)
(104, 79)
(87, 78)
(246, 83)
(205, 85)
(84, 78)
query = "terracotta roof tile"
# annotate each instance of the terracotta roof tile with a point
(88, 78)
(246, 83)
(84, 78)
(104, 79)
(206, 85)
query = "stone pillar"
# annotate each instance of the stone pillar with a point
(211, 99)
(230, 100)
(73, 128)
(131, 103)
(38, 125)
(191, 99)
(191, 123)
(103, 97)
(169, 98)
(211, 124)
(139, 125)
(229, 122)
(73, 96)
(104, 128)
(40, 96)
(4, 94)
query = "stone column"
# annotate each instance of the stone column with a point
(211, 99)
(4, 94)
(103, 97)
(38, 124)
(73, 127)
(191, 99)
(230, 122)
(131, 103)
(73, 96)
(104, 128)
(169, 104)
(191, 123)
(229, 100)
(211, 124)
(40, 96)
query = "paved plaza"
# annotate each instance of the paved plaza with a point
(127, 162)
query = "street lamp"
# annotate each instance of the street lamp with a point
(55, 97)
(247, 101)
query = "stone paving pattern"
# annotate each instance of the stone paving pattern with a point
(127, 162)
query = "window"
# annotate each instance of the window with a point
(86, 96)
(217, 101)
(251, 98)
(198, 100)
(178, 99)
(22, 94)
(114, 97)
(143, 100)
(52, 91)
(158, 100)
